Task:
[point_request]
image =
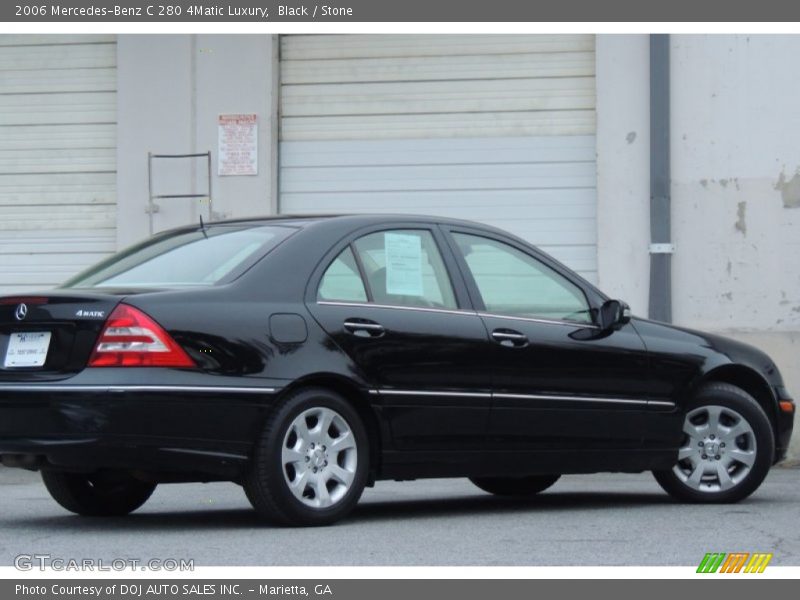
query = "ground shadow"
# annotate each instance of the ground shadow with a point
(370, 511)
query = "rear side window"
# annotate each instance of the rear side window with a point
(342, 281)
(184, 258)
(404, 268)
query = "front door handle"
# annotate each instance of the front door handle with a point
(510, 338)
(364, 328)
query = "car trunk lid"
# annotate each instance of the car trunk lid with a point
(51, 335)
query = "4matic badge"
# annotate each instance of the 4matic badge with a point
(91, 314)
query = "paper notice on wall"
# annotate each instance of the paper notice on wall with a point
(237, 144)
(403, 264)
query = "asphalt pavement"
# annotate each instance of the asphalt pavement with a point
(607, 519)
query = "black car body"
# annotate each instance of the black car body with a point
(448, 389)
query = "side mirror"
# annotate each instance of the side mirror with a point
(614, 314)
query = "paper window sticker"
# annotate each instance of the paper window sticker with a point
(403, 264)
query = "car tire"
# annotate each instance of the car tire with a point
(727, 449)
(311, 461)
(515, 486)
(102, 494)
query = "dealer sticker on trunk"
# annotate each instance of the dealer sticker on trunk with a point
(27, 349)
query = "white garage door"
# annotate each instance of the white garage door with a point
(57, 157)
(498, 129)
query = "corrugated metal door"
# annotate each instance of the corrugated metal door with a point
(499, 129)
(57, 156)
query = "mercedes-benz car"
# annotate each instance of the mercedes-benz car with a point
(305, 358)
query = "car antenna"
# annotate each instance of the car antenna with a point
(203, 227)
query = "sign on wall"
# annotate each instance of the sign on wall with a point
(238, 144)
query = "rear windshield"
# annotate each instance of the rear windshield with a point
(186, 258)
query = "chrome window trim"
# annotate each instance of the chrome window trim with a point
(543, 321)
(397, 307)
(44, 387)
(458, 312)
(594, 399)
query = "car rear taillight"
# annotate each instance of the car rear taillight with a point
(132, 339)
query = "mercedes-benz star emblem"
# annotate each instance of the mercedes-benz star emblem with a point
(21, 312)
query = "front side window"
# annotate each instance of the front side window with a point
(404, 268)
(514, 283)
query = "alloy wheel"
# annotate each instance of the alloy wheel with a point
(718, 451)
(319, 457)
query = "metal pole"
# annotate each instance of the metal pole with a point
(211, 216)
(660, 307)
(150, 203)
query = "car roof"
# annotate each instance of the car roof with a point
(303, 221)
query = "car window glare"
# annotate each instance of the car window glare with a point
(514, 283)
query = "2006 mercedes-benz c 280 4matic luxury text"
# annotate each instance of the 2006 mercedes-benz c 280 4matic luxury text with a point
(307, 357)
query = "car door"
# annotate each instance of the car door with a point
(388, 300)
(558, 381)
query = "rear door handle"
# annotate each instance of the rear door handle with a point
(510, 338)
(364, 328)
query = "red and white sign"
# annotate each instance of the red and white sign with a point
(238, 145)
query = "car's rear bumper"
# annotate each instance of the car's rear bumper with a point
(203, 429)
(163, 459)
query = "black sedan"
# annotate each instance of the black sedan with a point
(307, 357)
